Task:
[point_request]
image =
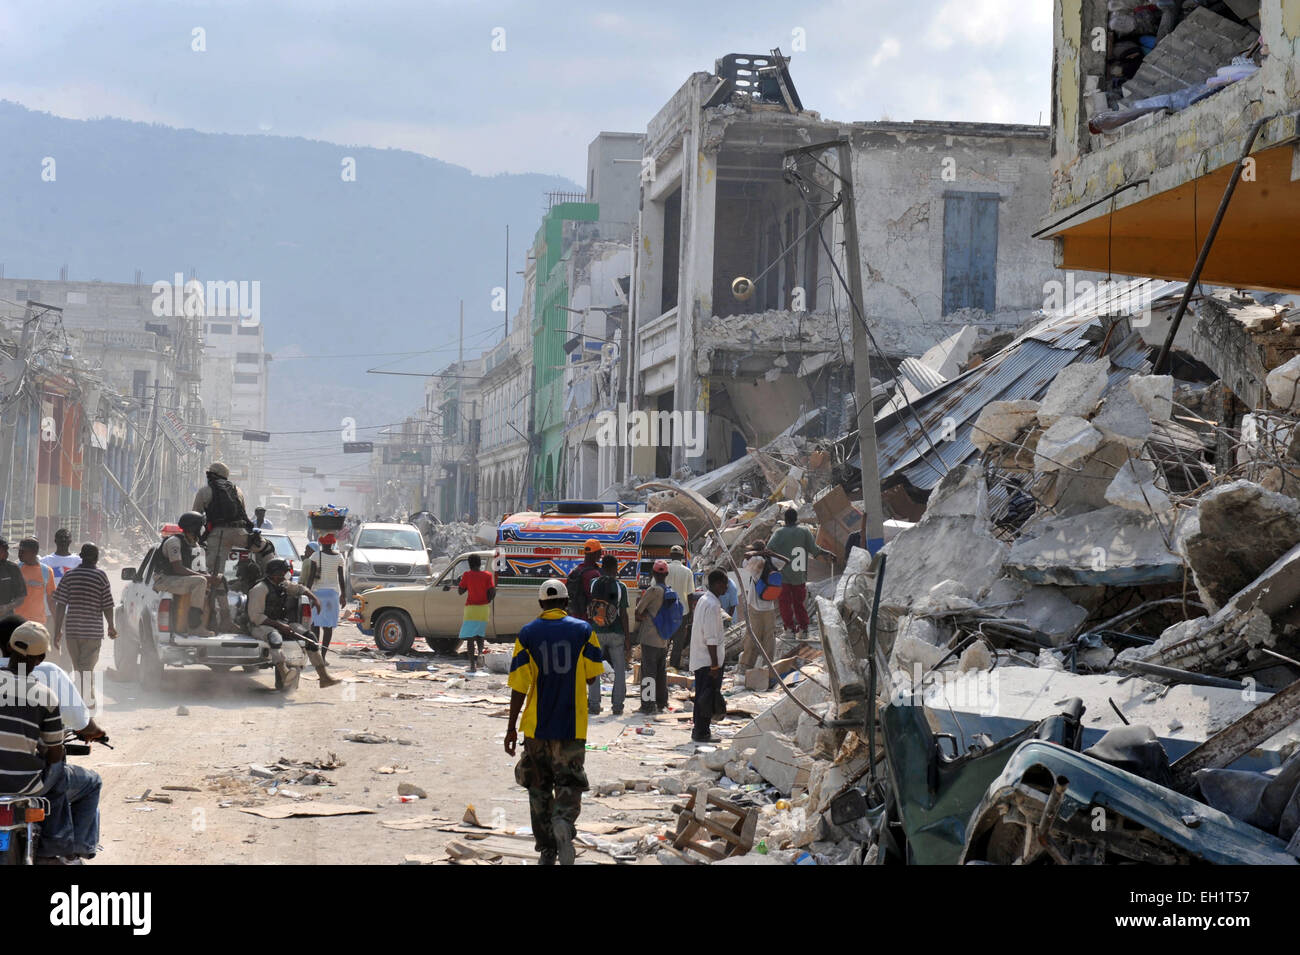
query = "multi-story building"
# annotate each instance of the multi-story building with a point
(235, 389)
(582, 257)
(136, 372)
(739, 316)
(506, 390)
(452, 422)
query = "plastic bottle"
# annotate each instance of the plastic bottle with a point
(761, 848)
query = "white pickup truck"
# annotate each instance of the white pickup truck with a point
(149, 640)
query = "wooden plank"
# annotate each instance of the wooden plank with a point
(1239, 738)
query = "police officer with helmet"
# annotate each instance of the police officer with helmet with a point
(272, 609)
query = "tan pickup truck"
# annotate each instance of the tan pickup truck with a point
(395, 616)
(531, 546)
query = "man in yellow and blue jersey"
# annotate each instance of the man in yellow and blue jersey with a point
(556, 657)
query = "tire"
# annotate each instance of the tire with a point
(394, 632)
(443, 644)
(151, 668)
(126, 655)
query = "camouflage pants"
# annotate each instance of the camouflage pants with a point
(552, 772)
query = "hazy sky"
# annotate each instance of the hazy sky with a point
(424, 76)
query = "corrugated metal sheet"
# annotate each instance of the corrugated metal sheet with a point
(923, 451)
(923, 378)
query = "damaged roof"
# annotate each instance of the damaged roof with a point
(921, 452)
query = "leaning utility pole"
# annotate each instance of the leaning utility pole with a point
(874, 518)
(9, 430)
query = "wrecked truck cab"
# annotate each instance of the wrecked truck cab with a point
(1054, 805)
(934, 779)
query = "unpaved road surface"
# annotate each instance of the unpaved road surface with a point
(237, 720)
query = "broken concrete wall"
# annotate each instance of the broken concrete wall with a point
(903, 174)
(1240, 530)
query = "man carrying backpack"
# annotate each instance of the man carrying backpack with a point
(222, 506)
(582, 577)
(658, 615)
(607, 611)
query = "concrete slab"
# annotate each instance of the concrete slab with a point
(1107, 546)
(1001, 421)
(1122, 418)
(1066, 443)
(1134, 489)
(1243, 528)
(1155, 393)
(1076, 390)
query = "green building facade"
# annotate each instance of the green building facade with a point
(550, 331)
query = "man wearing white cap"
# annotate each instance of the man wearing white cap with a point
(32, 758)
(556, 657)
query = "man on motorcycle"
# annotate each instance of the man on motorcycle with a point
(179, 577)
(32, 754)
(272, 606)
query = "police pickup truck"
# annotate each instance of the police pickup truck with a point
(149, 639)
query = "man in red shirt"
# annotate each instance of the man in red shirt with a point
(479, 589)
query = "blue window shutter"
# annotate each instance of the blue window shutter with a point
(970, 251)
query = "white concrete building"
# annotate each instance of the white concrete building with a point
(737, 312)
(235, 389)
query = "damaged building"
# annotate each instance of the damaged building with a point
(737, 309)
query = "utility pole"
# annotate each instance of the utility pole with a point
(874, 517)
(9, 432)
(460, 370)
(505, 331)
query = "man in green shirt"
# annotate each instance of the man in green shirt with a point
(615, 636)
(796, 544)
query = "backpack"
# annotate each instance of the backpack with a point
(602, 610)
(670, 615)
(225, 507)
(577, 591)
(768, 585)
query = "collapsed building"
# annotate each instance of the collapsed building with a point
(738, 308)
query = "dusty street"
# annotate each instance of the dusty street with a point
(236, 720)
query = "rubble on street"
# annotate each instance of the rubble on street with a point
(1099, 587)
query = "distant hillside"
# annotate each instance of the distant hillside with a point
(375, 265)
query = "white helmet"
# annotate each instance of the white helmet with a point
(553, 590)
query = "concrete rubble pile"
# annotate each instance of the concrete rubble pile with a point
(1153, 600)
(450, 540)
(1105, 579)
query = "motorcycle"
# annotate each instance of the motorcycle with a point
(21, 816)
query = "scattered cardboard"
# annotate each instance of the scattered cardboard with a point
(304, 809)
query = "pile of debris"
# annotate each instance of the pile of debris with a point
(1082, 644)
(452, 540)
(1168, 55)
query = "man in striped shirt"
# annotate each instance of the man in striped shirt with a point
(31, 730)
(32, 756)
(84, 600)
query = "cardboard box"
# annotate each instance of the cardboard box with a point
(838, 518)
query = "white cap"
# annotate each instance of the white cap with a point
(553, 590)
